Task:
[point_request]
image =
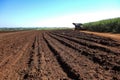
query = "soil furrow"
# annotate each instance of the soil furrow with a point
(90, 54)
(52, 69)
(33, 68)
(90, 45)
(66, 68)
(10, 65)
(58, 55)
(96, 51)
(90, 37)
(78, 62)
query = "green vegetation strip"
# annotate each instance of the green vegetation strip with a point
(38, 28)
(108, 25)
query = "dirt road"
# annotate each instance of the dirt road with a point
(108, 35)
(58, 55)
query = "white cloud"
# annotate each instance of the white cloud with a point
(67, 20)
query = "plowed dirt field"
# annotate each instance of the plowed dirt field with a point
(58, 55)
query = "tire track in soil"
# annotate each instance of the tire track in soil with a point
(8, 66)
(32, 72)
(9, 63)
(12, 44)
(21, 66)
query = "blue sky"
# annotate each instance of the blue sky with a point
(55, 13)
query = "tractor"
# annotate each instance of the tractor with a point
(78, 26)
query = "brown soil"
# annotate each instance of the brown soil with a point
(109, 35)
(8, 31)
(58, 55)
